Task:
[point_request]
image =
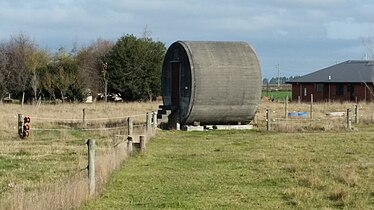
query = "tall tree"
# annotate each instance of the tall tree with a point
(36, 60)
(47, 82)
(3, 70)
(91, 65)
(134, 67)
(20, 60)
(61, 77)
(17, 75)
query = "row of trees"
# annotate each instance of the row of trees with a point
(131, 66)
(274, 80)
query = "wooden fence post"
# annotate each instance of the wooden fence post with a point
(255, 119)
(91, 166)
(129, 145)
(311, 107)
(84, 118)
(286, 108)
(142, 144)
(298, 99)
(357, 114)
(148, 122)
(20, 126)
(130, 126)
(268, 128)
(349, 119)
(154, 117)
(23, 98)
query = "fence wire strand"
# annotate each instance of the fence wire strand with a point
(87, 119)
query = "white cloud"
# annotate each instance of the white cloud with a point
(282, 30)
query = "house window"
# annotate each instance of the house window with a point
(319, 88)
(339, 89)
(350, 88)
(305, 92)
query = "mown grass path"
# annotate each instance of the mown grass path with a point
(246, 170)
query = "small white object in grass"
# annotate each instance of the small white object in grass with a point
(273, 111)
(14, 127)
(11, 184)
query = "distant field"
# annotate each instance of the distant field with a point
(277, 95)
(247, 170)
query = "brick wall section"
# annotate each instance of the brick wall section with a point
(361, 91)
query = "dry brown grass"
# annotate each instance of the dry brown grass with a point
(340, 195)
(320, 122)
(48, 170)
(349, 177)
(65, 194)
(297, 195)
(311, 181)
(45, 171)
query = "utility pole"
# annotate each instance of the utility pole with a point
(278, 67)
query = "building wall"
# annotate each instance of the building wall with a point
(304, 91)
(328, 92)
(364, 92)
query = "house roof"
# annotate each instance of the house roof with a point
(351, 71)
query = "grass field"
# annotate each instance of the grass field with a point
(277, 95)
(188, 170)
(247, 170)
(54, 157)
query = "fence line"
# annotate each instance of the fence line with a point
(87, 119)
(55, 119)
(55, 129)
(328, 121)
(87, 129)
(78, 188)
(103, 129)
(139, 125)
(113, 118)
(306, 119)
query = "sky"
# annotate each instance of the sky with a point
(301, 36)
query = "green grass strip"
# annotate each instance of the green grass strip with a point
(246, 170)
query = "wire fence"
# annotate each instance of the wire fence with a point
(295, 117)
(87, 119)
(71, 192)
(86, 124)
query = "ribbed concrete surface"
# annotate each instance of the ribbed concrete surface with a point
(225, 82)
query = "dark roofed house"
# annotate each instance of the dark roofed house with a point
(347, 81)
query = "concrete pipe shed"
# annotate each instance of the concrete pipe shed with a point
(210, 83)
